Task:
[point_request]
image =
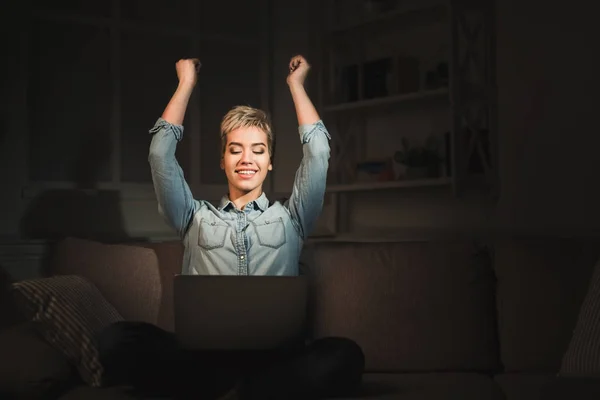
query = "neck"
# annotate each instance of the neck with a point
(240, 199)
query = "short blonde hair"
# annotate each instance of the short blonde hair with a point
(244, 117)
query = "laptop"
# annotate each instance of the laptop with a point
(239, 312)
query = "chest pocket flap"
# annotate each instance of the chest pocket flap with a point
(212, 233)
(270, 232)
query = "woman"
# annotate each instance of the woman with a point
(245, 235)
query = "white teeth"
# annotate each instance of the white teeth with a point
(247, 172)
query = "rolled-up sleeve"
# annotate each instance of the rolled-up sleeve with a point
(175, 200)
(306, 201)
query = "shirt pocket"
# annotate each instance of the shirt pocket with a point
(212, 234)
(270, 232)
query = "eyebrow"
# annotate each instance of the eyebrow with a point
(241, 145)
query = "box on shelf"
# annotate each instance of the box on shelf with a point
(378, 78)
(346, 84)
(408, 75)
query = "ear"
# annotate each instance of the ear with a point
(270, 168)
(222, 165)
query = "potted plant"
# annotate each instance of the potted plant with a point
(420, 162)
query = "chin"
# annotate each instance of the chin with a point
(247, 187)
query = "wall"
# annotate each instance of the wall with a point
(137, 216)
(548, 84)
(548, 139)
(290, 37)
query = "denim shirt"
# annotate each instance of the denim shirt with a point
(265, 238)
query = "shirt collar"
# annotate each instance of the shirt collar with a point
(262, 202)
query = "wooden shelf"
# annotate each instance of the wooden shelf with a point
(380, 101)
(408, 11)
(370, 186)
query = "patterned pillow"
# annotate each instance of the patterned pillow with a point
(582, 357)
(69, 312)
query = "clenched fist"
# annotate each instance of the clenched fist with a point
(187, 70)
(299, 68)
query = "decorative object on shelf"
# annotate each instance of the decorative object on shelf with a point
(377, 78)
(374, 171)
(421, 162)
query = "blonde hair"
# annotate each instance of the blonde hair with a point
(245, 117)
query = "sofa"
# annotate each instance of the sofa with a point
(453, 317)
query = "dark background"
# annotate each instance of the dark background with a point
(59, 102)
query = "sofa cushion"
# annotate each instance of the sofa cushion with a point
(411, 306)
(541, 285)
(571, 387)
(582, 358)
(425, 386)
(523, 386)
(29, 367)
(69, 312)
(127, 276)
(170, 261)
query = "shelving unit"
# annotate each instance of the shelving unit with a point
(395, 184)
(407, 69)
(388, 100)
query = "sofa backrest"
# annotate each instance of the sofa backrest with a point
(430, 305)
(127, 276)
(411, 306)
(9, 311)
(136, 278)
(541, 284)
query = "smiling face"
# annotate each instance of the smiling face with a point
(246, 160)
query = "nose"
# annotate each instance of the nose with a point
(246, 158)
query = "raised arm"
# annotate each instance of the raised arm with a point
(306, 202)
(175, 200)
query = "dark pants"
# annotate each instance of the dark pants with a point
(150, 360)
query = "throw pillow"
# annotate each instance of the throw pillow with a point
(29, 367)
(69, 312)
(582, 357)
